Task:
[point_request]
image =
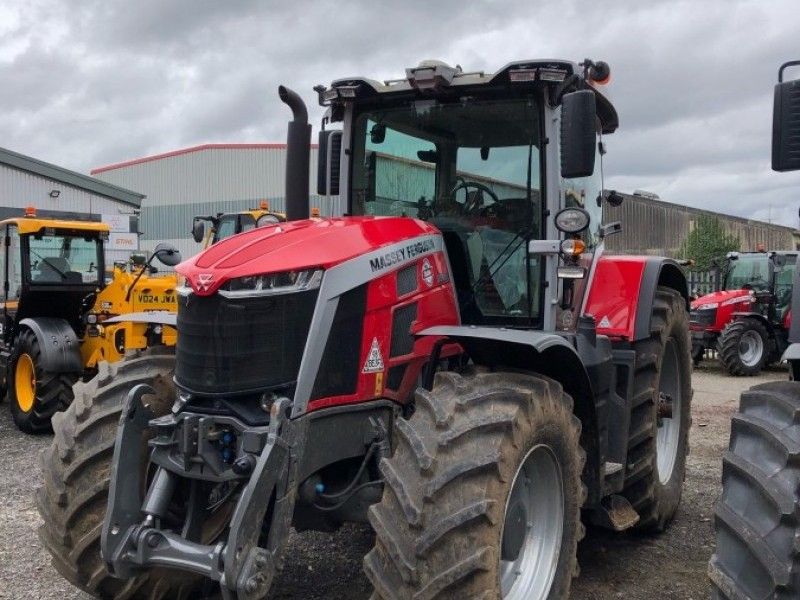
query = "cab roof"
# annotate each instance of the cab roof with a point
(432, 76)
(34, 225)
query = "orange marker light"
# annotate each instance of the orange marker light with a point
(30, 211)
(315, 212)
(264, 205)
(573, 247)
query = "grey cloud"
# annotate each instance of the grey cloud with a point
(90, 83)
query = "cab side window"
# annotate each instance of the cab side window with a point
(14, 264)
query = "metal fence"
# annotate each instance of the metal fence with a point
(703, 282)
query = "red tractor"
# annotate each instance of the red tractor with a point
(748, 320)
(454, 361)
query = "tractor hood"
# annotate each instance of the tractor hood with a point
(294, 246)
(722, 298)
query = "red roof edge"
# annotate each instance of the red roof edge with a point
(138, 161)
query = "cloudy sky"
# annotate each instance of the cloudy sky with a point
(84, 84)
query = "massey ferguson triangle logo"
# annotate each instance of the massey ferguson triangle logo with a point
(204, 281)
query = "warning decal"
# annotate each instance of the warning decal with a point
(374, 362)
(604, 322)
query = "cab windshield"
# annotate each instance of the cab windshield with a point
(473, 168)
(63, 258)
(748, 272)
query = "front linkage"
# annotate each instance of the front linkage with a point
(186, 445)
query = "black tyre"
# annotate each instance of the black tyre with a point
(658, 443)
(34, 393)
(757, 518)
(484, 482)
(743, 347)
(76, 469)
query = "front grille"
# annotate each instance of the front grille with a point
(230, 346)
(703, 318)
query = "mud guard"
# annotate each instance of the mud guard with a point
(623, 289)
(60, 346)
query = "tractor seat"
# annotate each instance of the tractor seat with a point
(53, 269)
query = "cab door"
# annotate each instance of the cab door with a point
(11, 270)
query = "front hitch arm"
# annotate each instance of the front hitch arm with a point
(131, 539)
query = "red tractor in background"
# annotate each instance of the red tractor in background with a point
(455, 362)
(747, 321)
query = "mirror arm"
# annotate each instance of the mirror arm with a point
(139, 275)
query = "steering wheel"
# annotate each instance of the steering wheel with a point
(463, 184)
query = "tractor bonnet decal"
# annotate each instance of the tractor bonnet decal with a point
(204, 281)
(427, 272)
(374, 362)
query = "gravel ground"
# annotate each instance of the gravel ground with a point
(669, 566)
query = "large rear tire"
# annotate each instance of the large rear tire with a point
(657, 444)
(483, 493)
(757, 517)
(76, 469)
(743, 347)
(35, 394)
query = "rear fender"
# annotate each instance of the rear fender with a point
(540, 353)
(61, 352)
(623, 289)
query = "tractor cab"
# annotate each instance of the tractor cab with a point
(224, 225)
(468, 153)
(49, 267)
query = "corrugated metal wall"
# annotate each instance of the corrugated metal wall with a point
(19, 189)
(203, 182)
(659, 228)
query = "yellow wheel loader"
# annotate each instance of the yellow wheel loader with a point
(227, 224)
(63, 313)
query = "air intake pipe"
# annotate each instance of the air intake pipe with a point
(298, 150)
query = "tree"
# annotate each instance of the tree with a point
(708, 242)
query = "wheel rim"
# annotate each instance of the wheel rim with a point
(25, 382)
(751, 348)
(669, 410)
(533, 527)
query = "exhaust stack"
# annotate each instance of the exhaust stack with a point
(298, 149)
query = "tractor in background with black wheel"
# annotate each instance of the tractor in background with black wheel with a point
(747, 321)
(757, 517)
(63, 313)
(455, 362)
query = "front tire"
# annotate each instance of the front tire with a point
(743, 347)
(757, 518)
(76, 470)
(462, 515)
(35, 394)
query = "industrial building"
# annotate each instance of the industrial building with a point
(204, 180)
(63, 194)
(652, 226)
(212, 178)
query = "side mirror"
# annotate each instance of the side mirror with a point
(167, 254)
(328, 157)
(198, 230)
(429, 156)
(377, 134)
(786, 123)
(578, 134)
(613, 198)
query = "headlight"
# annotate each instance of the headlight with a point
(182, 286)
(572, 220)
(708, 306)
(272, 284)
